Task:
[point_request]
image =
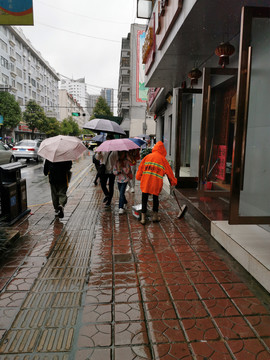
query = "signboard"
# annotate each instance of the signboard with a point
(167, 16)
(144, 9)
(1, 120)
(141, 90)
(16, 12)
(221, 165)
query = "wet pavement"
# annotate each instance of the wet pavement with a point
(99, 285)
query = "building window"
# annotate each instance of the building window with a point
(4, 62)
(3, 45)
(5, 79)
(19, 86)
(125, 96)
(18, 58)
(4, 29)
(11, 51)
(19, 72)
(125, 61)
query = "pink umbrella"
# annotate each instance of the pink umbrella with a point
(61, 148)
(117, 145)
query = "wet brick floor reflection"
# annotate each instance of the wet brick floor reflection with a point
(99, 285)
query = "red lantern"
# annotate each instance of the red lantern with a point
(224, 51)
(194, 75)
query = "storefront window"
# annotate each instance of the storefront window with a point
(255, 196)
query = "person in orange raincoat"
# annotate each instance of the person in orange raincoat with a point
(150, 173)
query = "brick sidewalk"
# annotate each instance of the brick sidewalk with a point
(99, 285)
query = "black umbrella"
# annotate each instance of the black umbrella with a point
(107, 126)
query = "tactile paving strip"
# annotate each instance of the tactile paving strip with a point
(47, 319)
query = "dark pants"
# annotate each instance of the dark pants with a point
(145, 200)
(103, 182)
(59, 194)
(122, 197)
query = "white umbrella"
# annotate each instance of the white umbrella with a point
(61, 148)
(104, 125)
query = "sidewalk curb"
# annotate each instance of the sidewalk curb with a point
(9, 237)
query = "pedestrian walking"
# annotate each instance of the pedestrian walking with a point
(133, 156)
(107, 161)
(150, 173)
(121, 170)
(97, 166)
(59, 177)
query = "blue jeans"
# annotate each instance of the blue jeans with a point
(122, 198)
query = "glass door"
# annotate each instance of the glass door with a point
(250, 195)
(188, 137)
(217, 129)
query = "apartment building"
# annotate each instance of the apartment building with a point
(77, 88)
(68, 106)
(26, 74)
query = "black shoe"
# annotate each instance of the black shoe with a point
(95, 182)
(61, 211)
(105, 199)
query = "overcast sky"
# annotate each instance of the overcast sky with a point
(83, 38)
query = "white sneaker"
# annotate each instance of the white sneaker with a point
(121, 211)
(132, 190)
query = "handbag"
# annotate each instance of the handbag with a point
(102, 169)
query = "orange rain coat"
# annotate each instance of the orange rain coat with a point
(152, 169)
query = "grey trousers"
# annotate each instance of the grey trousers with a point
(59, 194)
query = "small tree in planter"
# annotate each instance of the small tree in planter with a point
(145, 152)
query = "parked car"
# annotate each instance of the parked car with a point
(6, 155)
(92, 145)
(27, 149)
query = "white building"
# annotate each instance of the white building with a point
(77, 88)
(26, 74)
(68, 105)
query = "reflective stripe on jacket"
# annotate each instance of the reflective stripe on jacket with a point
(152, 169)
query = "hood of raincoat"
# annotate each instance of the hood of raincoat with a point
(159, 147)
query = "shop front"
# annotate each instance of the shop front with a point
(218, 124)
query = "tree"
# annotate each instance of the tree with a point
(34, 116)
(101, 108)
(10, 110)
(69, 127)
(53, 127)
